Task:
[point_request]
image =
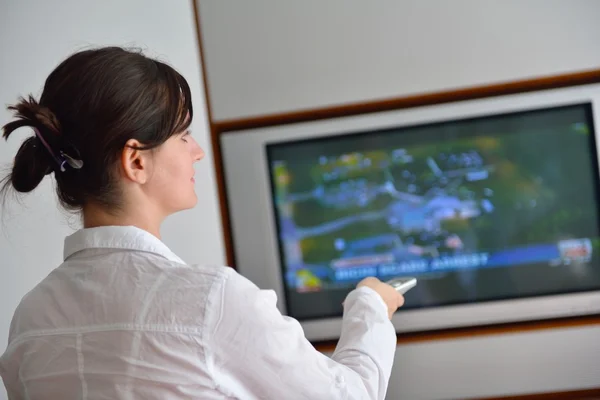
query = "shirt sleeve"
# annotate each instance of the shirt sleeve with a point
(258, 353)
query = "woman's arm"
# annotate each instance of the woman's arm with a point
(256, 352)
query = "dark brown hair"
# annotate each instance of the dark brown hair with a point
(92, 104)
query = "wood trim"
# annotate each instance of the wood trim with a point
(485, 330)
(587, 394)
(216, 149)
(411, 101)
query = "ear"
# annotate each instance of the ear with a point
(135, 162)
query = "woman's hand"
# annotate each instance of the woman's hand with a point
(390, 296)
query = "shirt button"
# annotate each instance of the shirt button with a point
(339, 381)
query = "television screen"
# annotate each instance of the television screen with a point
(481, 209)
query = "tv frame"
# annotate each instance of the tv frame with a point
(518, 96)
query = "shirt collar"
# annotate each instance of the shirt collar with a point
(117, 237)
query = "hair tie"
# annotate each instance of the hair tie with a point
(62, 159)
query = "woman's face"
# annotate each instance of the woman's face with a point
(171, 182)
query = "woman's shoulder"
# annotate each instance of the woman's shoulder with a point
(198, 274)
(199, 295)
(217, 281)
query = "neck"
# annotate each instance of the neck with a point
(95, 216)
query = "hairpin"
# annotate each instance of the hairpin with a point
(63, 158)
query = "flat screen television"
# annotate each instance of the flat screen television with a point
(491, 204)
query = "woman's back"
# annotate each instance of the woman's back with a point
(121, 317)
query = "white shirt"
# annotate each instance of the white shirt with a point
(125, 318)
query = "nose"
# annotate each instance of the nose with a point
(198, 153)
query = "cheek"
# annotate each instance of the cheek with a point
(171, 183)
(166, 177)
(178, 174)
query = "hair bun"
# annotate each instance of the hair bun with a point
(33, 161)
(30, 166)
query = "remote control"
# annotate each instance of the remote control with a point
(403, 285)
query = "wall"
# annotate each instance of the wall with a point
(34, 37)
(265, 57)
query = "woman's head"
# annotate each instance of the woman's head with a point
(112, 126)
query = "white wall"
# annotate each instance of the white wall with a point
(265, 57)
(34, 37)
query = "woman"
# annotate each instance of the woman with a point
(124, 317)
